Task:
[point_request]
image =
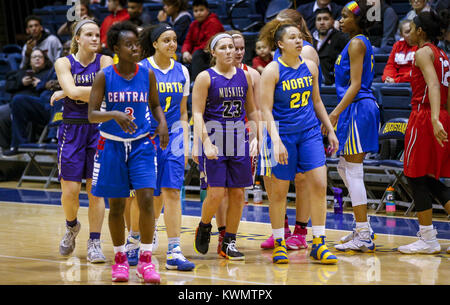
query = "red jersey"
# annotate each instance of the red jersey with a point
(400, 61)
(423, 155)
(418, 85)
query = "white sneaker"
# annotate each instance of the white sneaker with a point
(349, 237)
(427, 244)
(361, 241)
(95, 254)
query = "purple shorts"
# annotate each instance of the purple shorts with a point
(77, 144)
(233, 172)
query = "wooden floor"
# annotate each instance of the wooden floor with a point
(30, 235)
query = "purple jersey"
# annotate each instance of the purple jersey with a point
(226, 98)
(83, 76)
(224, 111)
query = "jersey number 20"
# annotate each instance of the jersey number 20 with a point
(296, 97)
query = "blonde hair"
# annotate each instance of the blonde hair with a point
(209, 50)
(267, 33)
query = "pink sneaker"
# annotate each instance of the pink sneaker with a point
(120, 270)
(297, 240)
(146, 270)
(269, 243)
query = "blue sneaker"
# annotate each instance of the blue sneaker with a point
(132, 250)
(177, 261)
(319, 252)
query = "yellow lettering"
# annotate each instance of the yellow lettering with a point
(286, 86)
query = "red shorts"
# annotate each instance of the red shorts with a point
(423, 155)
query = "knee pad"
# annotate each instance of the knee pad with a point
(439, 190)
(354, 173)
(421, 193)
(341, 170)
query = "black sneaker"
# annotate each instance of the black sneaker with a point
(202, 237)
(11, 152)
(229, 250)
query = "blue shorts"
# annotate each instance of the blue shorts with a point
(120, 167)
(306, 152)
(170, 164)
(266, 158)
(357, 128)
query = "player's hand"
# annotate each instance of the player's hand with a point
(125, 122)
(439, 132)
(281, 154)
(211, 151)
(334, 143)
(163, 133)
(56, 96)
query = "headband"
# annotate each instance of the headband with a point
(353, 7)
(81, 23)
(217, 38)
(158, 30)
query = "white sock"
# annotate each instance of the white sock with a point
(278, 233)
(119, 249)
(318, 231)
(360, 225)
(425, 228)
(146, 247)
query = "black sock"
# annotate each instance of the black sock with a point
(72, 223)
(302, 225)
(205, 225)
(220, 229)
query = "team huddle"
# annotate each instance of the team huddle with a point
(244, 123)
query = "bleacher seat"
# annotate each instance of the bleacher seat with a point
(243, 16)
(5, 67)
(274, 7)
(40, 148)
(395, 101)
(11, 49)
(380, 63)
(329, 97)
(401, 8)
(14, 60)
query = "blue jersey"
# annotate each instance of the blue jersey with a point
(170, 89)
(342, 71)
(129, 96)
(293, 107)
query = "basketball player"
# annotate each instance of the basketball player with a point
(357, 117)
(427, 150)
(297, 239)
(222, 97)
(125, 157)
(77, 138)
(292, 100)
(159, 44)
(239, 44)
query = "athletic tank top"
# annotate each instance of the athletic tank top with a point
(83, 76)
(293, 107)
(226, 98)
(418, 84)
(129, 96)
(342, 71)
(170, 90)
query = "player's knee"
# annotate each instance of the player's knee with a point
(354, 173)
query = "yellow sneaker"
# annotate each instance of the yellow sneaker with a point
(279, 255)
(320, 251)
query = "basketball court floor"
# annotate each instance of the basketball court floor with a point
(32, 224)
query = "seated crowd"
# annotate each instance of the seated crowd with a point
(33, 84)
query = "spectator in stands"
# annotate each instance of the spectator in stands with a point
(118, 13)
(263, 56)
(328, 42)
(205, 25)
(175, 13)
(382, 32)
(137, 14)
(309, 11)
(418, 6)
(26, 85)
(399, 65)
(83, 11)
(39, 38)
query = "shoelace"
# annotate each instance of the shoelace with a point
(68, 237)
(232, 246)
